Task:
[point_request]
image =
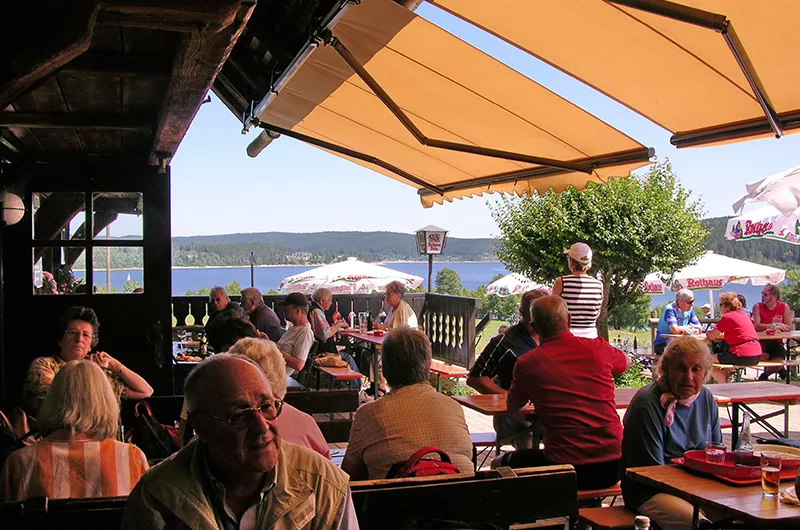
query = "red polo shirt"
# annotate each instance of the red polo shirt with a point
(568, 380)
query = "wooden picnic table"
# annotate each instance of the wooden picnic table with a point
(740, 395)
(745, 503)
(762, 335)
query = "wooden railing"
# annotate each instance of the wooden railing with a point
(449, 321)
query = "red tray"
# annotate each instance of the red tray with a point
(727, 472)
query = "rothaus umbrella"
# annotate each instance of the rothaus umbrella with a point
(512, 284)
(766, 223)
(713, 271)
(347, 277)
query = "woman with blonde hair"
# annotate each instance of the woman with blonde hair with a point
(294, 425)
(735, 338)
(78, 456)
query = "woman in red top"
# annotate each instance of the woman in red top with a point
(764, 312)
(741, 345)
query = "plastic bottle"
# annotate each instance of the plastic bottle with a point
(745, 439)
(642, 522)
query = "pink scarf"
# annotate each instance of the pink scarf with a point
(670, 400)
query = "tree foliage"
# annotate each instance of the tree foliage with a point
(634, 225)
(449, 282)
(633, 315)
(791, 293)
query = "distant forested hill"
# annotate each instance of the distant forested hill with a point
(273, 248)
(775, 253)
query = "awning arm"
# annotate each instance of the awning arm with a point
(720, 24)
(642, 154)
(349, 152)
(442, 144)
(731, 131)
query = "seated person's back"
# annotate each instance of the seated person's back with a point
(569, 381)
(78, 456)
(413, 415)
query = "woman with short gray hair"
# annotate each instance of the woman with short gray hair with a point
(666, 418)
(399, 313)
(413, 415)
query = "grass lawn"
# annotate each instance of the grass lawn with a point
(642, 337)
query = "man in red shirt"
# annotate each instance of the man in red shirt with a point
(568, 380)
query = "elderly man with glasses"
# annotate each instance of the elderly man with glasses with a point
(238, 473)
(678, 318)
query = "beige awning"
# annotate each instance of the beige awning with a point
(452, 92)
(676, 63)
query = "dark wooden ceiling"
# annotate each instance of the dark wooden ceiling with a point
(113, 80)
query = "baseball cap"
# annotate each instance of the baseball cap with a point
(580, 252)
(296, 299)
(705, 306)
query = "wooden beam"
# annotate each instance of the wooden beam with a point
(184, 16)
(73, 121)
(104, 64)
(198, 59)
(27, 64)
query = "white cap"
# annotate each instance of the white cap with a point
(580, 252)
(705, 306)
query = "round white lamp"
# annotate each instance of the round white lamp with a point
(13, 208)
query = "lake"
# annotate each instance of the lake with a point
(473, 274)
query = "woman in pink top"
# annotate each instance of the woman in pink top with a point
(294, 425)
(78, 456)
(739, 340)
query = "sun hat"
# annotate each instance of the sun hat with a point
(580, 252)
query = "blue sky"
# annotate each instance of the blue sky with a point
(293, 187)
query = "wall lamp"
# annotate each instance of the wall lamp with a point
(13, 208)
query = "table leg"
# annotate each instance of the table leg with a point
(786, 418)
(439, 383)
(375, 371)
(696, 518)
(734, 426)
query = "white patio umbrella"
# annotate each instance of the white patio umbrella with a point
(713, 271)
(512, 284)
(347, 277)
(781, 190)
(768, 223)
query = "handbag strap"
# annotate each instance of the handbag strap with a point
(146, 406)
(416, 457)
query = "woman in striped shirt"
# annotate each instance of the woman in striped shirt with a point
(582, 293)
(78, 456)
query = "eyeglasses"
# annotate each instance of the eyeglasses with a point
(75, 334)
(242, 418)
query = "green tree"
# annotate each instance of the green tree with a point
(233, 288)
(791, 293)
(188, 292)
(634, 225)
(449, 282)
(204, 291)
(130, 286)
(633, 315)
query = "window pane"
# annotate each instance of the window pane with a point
(121, 266)
(118, 215)
(55, 270)
(58, 216)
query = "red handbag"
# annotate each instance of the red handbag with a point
(153, 438)
(417, 466)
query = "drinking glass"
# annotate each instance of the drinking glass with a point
(777, 321)
(715, 452)
(770, 473)
(362, 322)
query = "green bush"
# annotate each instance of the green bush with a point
(632, 377)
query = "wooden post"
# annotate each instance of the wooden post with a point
(430, 270)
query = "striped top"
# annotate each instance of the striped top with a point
(72, 470)
(584, 296)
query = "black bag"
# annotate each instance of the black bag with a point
(157, 441)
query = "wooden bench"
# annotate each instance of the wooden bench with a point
(442, 369)
(482, 442)
(41, 513)
(327, 402)
(502, 497)
(736, 370)
(607, 518)
(600, 494)
(337, 374)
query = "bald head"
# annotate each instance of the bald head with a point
(550, 316)
(216, 378)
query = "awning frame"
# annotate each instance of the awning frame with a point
(722, 25)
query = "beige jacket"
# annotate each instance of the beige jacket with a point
(308, 494)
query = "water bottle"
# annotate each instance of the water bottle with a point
(642, 522)
(352, 318)
(745, 439)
